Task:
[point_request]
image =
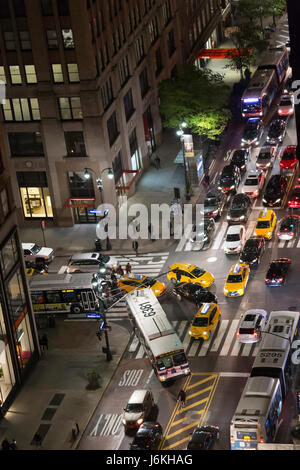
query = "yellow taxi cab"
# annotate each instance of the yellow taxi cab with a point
(131, 282)
(205, 321)
(265, 224)
(236, 281)
(30, 272)
(184, 272)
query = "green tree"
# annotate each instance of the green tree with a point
(275, 8)
(199, 97)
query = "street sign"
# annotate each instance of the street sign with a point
(93, 315)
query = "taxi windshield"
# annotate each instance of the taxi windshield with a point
(233, 278)
(200, 321)
(263, 224)
(197, 272)
(251, 182)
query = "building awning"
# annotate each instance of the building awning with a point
(127, 178)
(75, 202)
(222, 53)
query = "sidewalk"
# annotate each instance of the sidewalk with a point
(54, 397)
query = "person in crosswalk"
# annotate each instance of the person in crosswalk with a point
(128, 268)
(182, 398)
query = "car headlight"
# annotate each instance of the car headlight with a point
(139, 421)
(269, 233)
(240, 291)
(264, 200)
(277, 200)
(242, 217)
(256, 139)
(225, 291)
(254, 260)
(232, 187)
(124, 421)
(205, 333)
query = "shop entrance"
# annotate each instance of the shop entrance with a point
(82, 215)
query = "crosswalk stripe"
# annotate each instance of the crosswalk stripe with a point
(205, 346)
(221, 332)
(229, 337)
(184, 238)
(194, 348)
(186, 339)
(236, 348)
(281, 243)
(134, 344)
(219, 237)
(247, 349)
(140, 353)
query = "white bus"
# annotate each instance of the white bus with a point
(257, 415)
(63, 293)
(265, 82)
(157, 336)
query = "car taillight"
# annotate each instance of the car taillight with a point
(267, 280)
(255, 335)
(280, 279)
(238, 334)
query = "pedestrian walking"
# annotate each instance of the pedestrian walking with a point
(5, 444)
(128, 268)
(206, 180)
(113, 276)
(45, 340)
(182, 398)
(135, 247)
(157, 161)
(119, 270)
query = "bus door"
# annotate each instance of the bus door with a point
(88, 301)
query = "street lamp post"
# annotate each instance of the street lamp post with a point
(98, 288)
(99, 181)
(180, 133)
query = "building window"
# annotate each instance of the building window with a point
(9, 41)
(158, 62)
(166, 10)
(73, 73)
(2, 74)
(25, 144)
(21, 109)
(128, 105)
(144, 84)
(25, 40)
(80, 186)
(124, 70)
(153, 30)
(4, 202)
(75, 144)
(47, 9)
(19, 8)
(35, 194)
(68, 40)
(171, 43)
(30, 74)
(107, 94)
(112, 128)
(134, 151)
(9, 256)
(117, 167)
(70, 108)
(63, 7)
(140, 49)
(52, 39)
(4, 10)
(15, 75)
(57, 73)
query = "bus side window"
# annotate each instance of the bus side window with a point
(37, 298)
(69, 297)
(53, 297)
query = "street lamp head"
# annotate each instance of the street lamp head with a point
(86, 174)
(183, 124)
(110, 174)
(180, 132)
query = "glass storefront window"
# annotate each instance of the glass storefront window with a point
(36, 202)
(24, 342)
(7, 376)
(16, 297)
(9, 255)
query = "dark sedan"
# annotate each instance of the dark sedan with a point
(240, 158)
(203, 235)
(148, 437)
(239, 209)
(194, 292)
(275, 191)
(253, 131)
(214, 203)
(229, 179)
(276, 132)
(277, 272)
(253, 250)
(203, 438)
(289, 227)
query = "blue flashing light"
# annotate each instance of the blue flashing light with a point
(205, 308)
(101, 325)
(251, 100)
(253, 119)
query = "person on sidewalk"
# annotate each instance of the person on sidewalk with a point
(157, 161)
(206, 180)
(120, 270)
(135, 246)
(5, 444)
(182, 398)
(45, 340)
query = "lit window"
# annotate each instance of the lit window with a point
(68, 40)
(57, 73)
(22, 109)
(73, 73)
(70, 108)
(30, 74)
(2, 74)
(15, 75)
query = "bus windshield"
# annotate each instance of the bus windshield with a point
(254, 107)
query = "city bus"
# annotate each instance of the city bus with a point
(63, 293)
(265, 82)
(257, 415)
(157, 336)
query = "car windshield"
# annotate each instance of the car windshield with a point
(246, 331)
(211, 201)
(250, 317)
(287, 225)
(200, 321)
(263, 224)
(134, 407)
(287, 156)
(233, 278)
(104, 258)
(251, 182)
(141, 441)
(149, 282)
(35, 249)
(238, 158)
(233, 237)
(165, 363)
(179, 359)
(251, 247)
(274, 130)
(285, 103)
(296, 192)
(264, 156)
(195, 445)
(226, 179)
(197, 272)
(276, 268)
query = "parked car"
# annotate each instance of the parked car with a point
(148, 437)
(214, 203)
(286, 105)
(251, 325)
(203, 235)
(229, 179)
(253, 250)
(276, 131)
(294, 199)
(253, 132)
(254, 183)
(266, 157)
(289, 160)
(277, 272)
(138, 408)
(240, 208)
(90, 262)
(194, 292)
(275, 190)
(203, 438)
(289, 227)
(235, 239)
(36, 253)
(241, 158)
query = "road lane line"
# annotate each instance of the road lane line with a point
(207, 379)
(219, 237)
(236, 348)
(221, 332)
(234, 374)
(229, 337)
(247, 349)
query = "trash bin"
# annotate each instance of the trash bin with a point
(98, 245)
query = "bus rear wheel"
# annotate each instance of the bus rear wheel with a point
(76, 309)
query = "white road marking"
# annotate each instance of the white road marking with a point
(234, 374)
(219, 237)
(229, 337)
(134, 344)
(221, 332)
(247, 349)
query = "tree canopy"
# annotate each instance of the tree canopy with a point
(198, 97)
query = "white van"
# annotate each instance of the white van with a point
(138, 408)
(90, 262)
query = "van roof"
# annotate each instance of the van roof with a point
(84, 256)
(137, 396)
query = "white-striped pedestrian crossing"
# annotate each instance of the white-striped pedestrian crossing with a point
(222, 342)
(220, 234)
(149, 264)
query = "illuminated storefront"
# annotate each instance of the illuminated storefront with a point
(35, 195)
(18, 339)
